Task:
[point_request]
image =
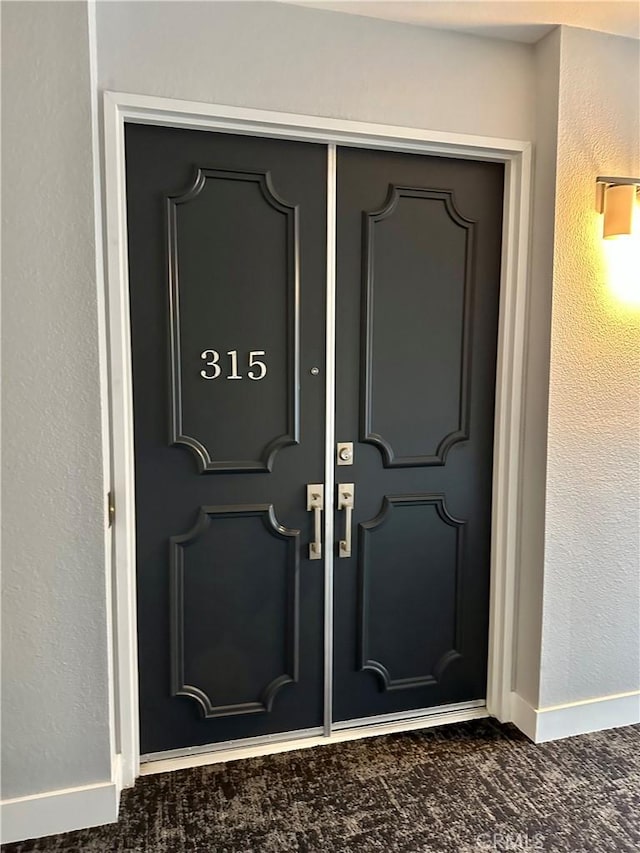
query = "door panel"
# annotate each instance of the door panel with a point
(434, 324)
(227, 667)
(227, 268)
(418, 268)
(408, 634)
(230, 226)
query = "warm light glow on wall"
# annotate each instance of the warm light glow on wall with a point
(622, 260)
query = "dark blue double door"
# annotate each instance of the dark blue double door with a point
(228, 282)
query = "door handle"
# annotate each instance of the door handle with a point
(315, 502)
(345, 501)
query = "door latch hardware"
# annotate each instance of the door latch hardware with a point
(344, 452)
(315, 502)
(111, 509)
(346, 493)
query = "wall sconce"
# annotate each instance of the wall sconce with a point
(616, 198)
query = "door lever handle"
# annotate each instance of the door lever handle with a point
(315, 502)
(345, 501)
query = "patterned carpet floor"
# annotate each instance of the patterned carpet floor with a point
(476, 786)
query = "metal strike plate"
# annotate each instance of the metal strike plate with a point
(344, 453)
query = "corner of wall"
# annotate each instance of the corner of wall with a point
(527, 657)
(576, 718)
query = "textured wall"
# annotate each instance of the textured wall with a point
(54, 666)
(275, 56)
(529, 612)
(591, 617)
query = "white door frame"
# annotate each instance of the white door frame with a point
(117, 393)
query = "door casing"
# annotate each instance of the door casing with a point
(116, 394)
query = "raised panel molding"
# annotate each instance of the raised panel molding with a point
(461, 430)
(366, 529)
(267, 694)
(205, 459)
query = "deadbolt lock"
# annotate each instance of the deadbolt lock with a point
(345, 453)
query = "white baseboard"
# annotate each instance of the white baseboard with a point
(59, 811)
(93, 805)
(575, 718)
(523, 716)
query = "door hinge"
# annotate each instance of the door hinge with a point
(111, 509)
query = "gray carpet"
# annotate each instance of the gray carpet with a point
(472, 787)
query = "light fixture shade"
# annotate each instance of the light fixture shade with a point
(619, 203)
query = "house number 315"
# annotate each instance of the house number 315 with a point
(257, 368)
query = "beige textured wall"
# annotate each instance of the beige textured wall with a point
(55, 703)
(301, 60)
(591, 610)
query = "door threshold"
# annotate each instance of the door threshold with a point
(231, 745)
(408, 716)
(346, 730)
